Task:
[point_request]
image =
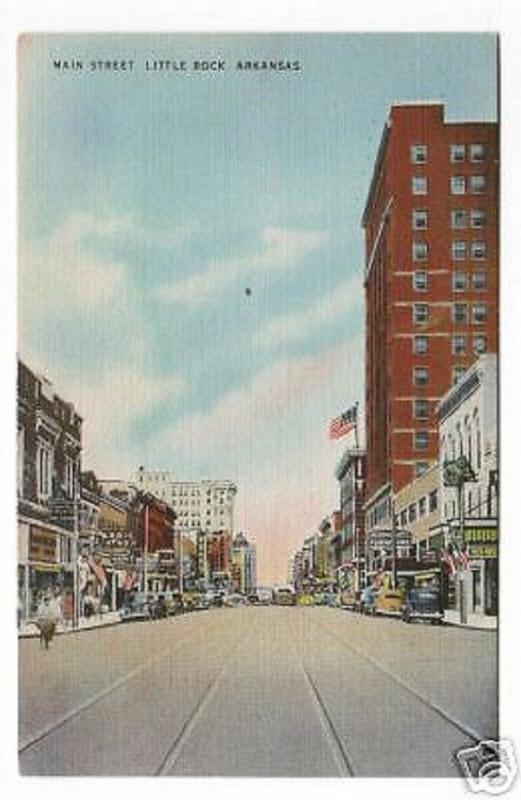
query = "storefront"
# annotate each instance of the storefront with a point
(482, 550)
(45, 564)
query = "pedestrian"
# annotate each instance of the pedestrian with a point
(46, 621)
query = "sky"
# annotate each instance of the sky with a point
(149, 202)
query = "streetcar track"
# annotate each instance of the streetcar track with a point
(340, 754)
(171, 756)
(426, 701)
(53, 726)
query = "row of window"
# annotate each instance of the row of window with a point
(459, 218)
(460, 280)
(458, 184)
(420, 375)
(459, 344)
(427, 503)
(461, 249)
(457, 153)
(460, 313)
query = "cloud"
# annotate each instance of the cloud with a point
(305, 324)
(59, 275)
(281, 249)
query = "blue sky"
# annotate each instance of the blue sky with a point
(149, 202)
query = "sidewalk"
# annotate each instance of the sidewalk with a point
(29, 630)
(475, 621)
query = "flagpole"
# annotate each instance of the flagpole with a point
(356, 425)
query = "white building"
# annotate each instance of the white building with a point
(468, 427)
(206, 505)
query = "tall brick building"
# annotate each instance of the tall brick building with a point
(431, 237)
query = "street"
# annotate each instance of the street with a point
(257, 692)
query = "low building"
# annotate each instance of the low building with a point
(417, 509)
(467, 416)
(48, 466)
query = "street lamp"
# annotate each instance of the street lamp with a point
(457, 473)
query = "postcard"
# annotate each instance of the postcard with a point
(257, 420)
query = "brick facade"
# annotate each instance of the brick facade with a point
(431, 232)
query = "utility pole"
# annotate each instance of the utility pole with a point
(393, 542)
(75, 576)
(145, 556)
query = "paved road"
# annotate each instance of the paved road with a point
(257, 692)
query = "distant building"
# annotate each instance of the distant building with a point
(244, 560)
(49, 438)
(350, 541)
(206, 505)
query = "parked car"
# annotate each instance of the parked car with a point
(367, 600)
(135, 608)
(348, 598)
(305, 600)
(389, 601)
(423, 602)
(234, 600)
(284, 597)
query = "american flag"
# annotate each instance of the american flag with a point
(343, 424)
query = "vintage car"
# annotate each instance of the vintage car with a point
(389, 601)
(423, 602)
(305, 600)
(349, 599)
(367, 600)
(136, 608)
(284, 597)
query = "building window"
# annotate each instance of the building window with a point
(479, 280)
(69, 477)
(419, 251)
(458, 218)
(419, 154)
(457, 184)
(421, 312)
(459, 281)
(478, 218)
(479, 343)
(412, 512)
(419, 280)
(421, 409)
(44, 471)
(421, 440)
(477, 152)
(419, 220)
(420, 468)
(403, 518)
(20, 454)
(478, 184)
(479, 313)
(460, 312)
(419, 184)
(420, 376)
(457, 152)
(421, 344)
(459, 250)
(457, 374)
(478, 249)
(422, 506)
(459, 344)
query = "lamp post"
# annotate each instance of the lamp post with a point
(457, 473)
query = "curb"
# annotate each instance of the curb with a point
(71, 630)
